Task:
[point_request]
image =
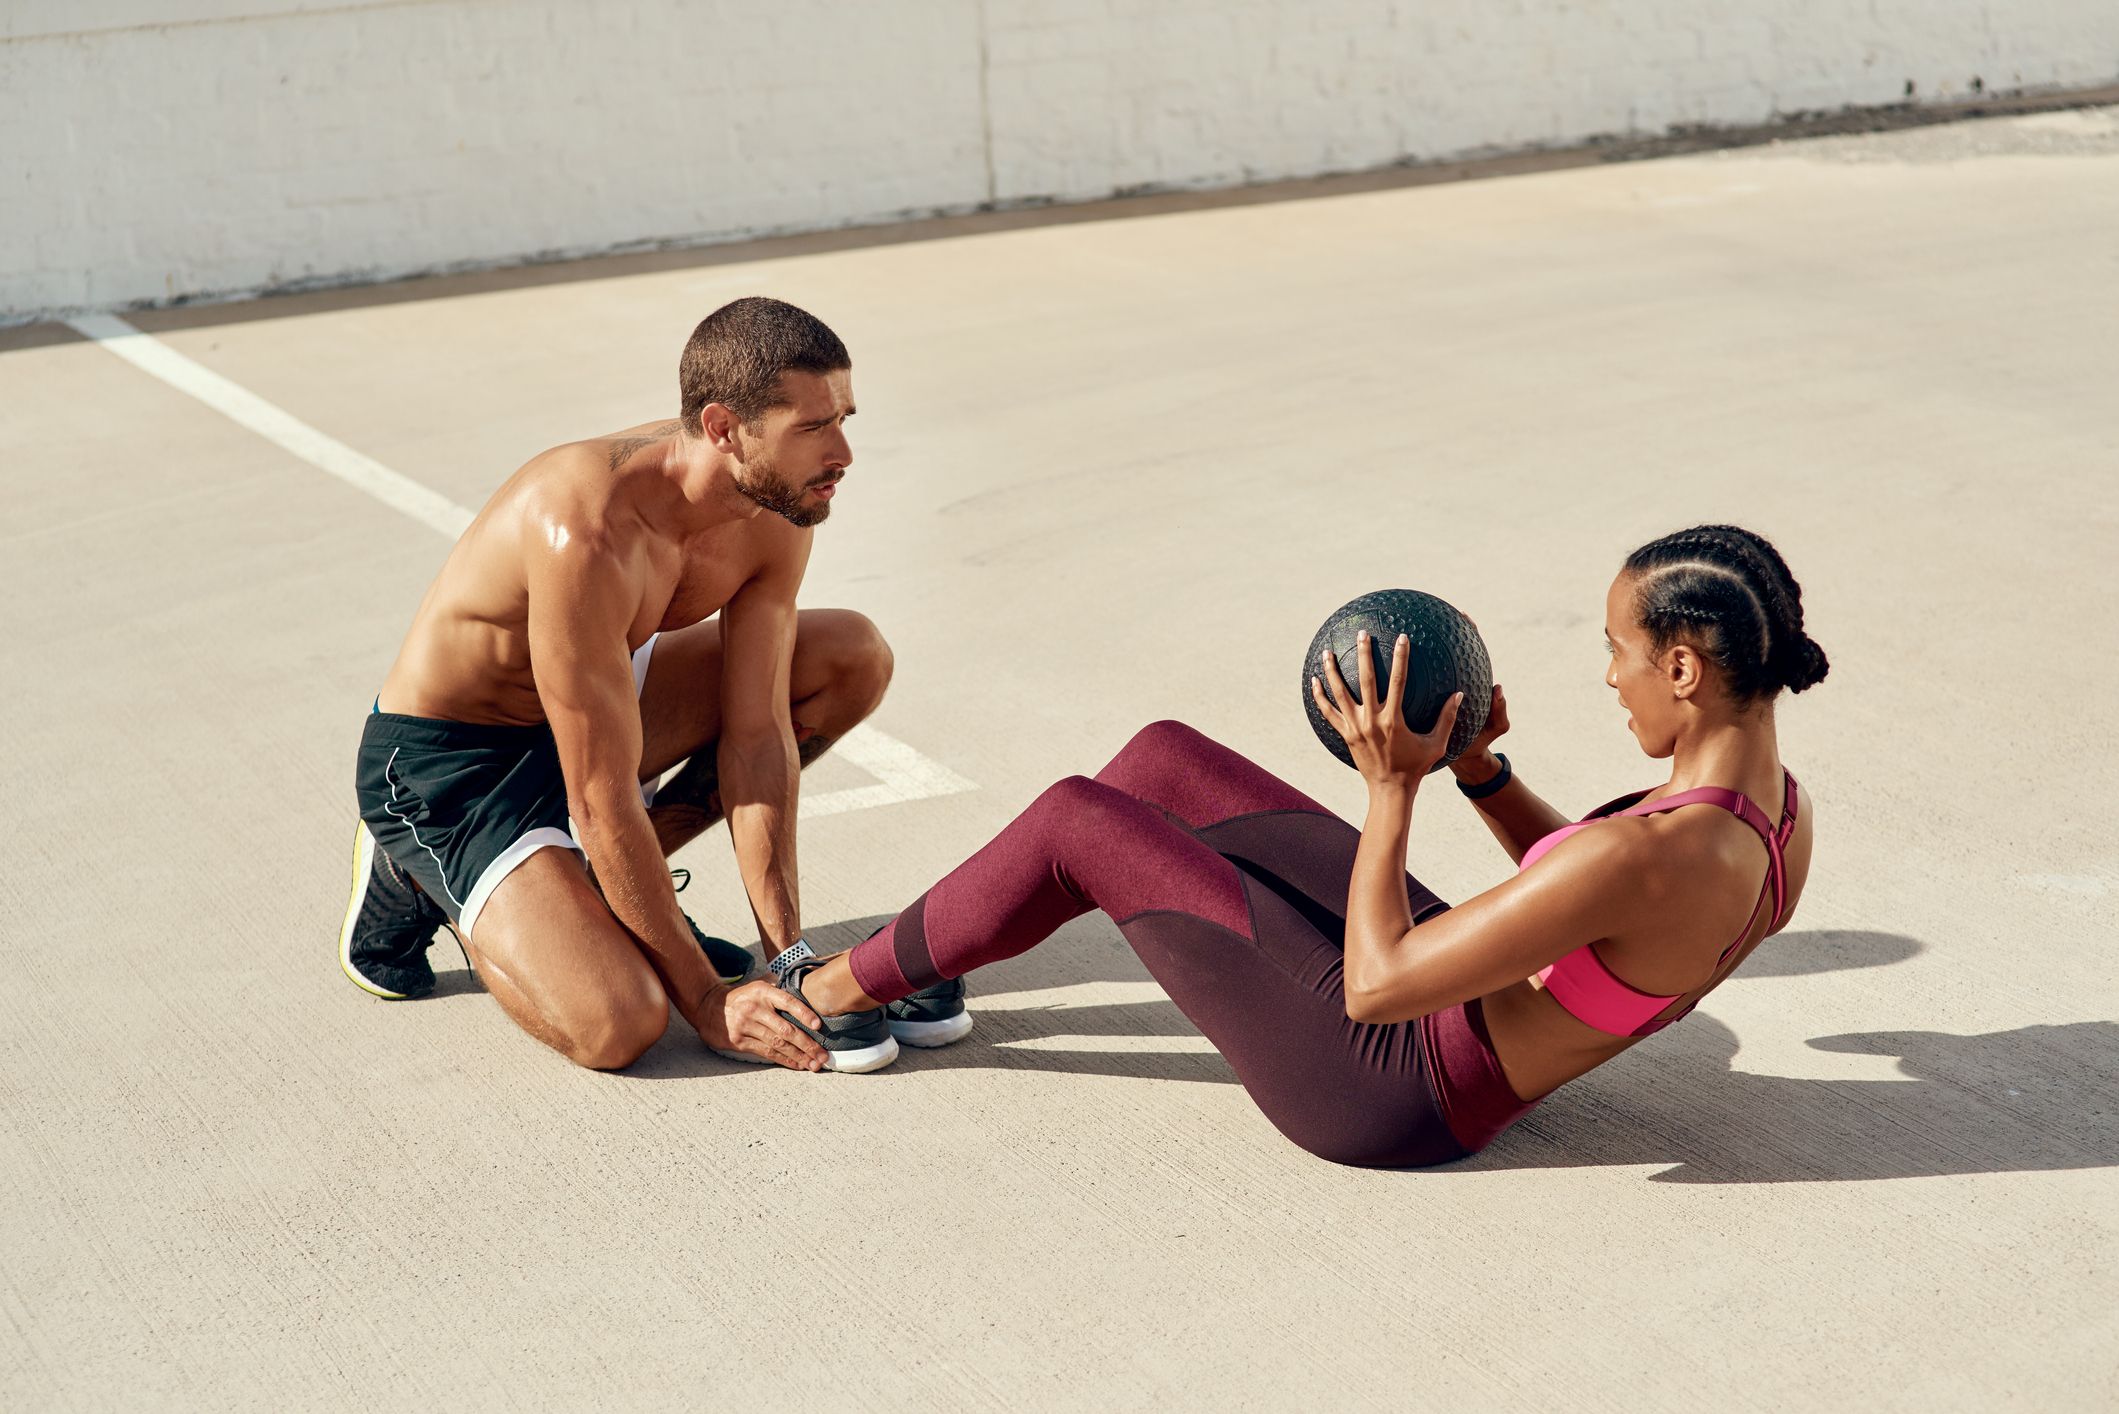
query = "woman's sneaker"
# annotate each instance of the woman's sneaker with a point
(932, 1016)
(382, 945)
(854, 1042)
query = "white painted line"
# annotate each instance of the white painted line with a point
(1114, 1045)
(1075, 994)
(2078, 885)
(150, 355)
(901, 773)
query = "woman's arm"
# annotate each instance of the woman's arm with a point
(1589, 887)
(1514, 813)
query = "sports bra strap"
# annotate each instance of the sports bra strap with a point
(1781, 836)
(1744, 808)
(1588, 989)
(1735, 802)
(1610, 808)
(1776, 863)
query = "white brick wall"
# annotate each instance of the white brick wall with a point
(195, 147)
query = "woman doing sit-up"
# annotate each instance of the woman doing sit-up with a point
(1371, 1022)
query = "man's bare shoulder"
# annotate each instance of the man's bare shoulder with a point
(774, 551)
(572, 497)
(618, 448)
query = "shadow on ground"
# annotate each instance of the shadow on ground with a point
(2033, 1099)
(2037, 1098)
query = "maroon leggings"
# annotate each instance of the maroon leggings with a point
(1231, 885)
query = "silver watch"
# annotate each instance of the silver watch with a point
(800, 952)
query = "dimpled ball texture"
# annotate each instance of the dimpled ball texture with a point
(1447, 655)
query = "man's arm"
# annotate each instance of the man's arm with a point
(581, 602)
(760, 776)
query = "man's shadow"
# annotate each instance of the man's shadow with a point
(2037, 1098)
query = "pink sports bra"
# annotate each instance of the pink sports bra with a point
(1581, 982)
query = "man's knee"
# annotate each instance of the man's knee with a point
(855, 655)
(616, 1028)
(865, 654)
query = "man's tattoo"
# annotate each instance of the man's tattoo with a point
(622, 448)
(688, 804)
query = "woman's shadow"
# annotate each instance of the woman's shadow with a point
(2033, 1099)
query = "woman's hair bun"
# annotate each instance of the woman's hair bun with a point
(1808, 666)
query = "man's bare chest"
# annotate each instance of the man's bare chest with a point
(696, 588)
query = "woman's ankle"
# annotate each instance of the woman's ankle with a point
(831, 990)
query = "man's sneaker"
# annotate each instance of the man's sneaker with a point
(732, 964)
(932, 1016)
(854, 1042)
(382, 945)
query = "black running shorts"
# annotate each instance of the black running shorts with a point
(458, 805)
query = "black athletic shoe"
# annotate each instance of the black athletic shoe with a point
(382, 945)
(732, 964)
(854, 1042)
(932, 1016)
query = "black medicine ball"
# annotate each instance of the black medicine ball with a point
(1447, 656)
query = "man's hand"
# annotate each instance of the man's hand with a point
(748, 1019)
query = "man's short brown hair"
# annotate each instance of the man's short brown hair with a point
(737, 354)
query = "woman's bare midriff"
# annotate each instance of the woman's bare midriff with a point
(1541, 1047)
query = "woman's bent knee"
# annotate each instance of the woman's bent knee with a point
(1166, 738)
(1161, 752)
(1072, 797)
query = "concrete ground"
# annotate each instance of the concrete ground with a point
(1109, 471)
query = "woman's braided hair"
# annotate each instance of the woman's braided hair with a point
(1729, 592)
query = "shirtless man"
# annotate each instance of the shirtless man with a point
(565, 660)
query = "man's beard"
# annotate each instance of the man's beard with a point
(765, 487)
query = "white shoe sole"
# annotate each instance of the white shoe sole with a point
(363, 870)
(929, 1034)
(859, 1062)
(864, 1060)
